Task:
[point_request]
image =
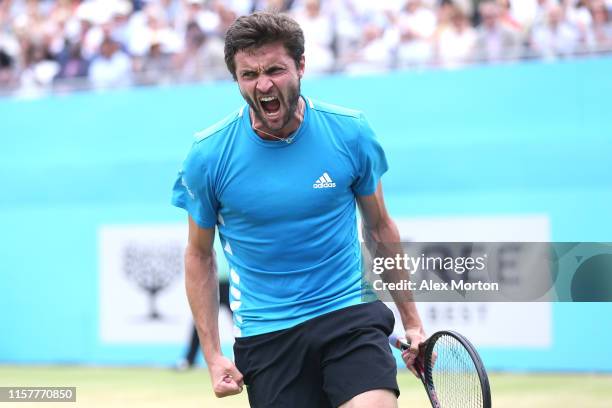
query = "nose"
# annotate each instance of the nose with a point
(264, 84)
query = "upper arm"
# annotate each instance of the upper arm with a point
(372, 208)
(200, 239)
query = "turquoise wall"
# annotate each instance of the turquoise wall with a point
(511, 139)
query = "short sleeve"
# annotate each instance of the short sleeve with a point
(371, 161)
(194, 190)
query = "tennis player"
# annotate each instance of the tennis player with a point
(280, 180)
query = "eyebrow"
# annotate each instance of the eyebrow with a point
(267, 69)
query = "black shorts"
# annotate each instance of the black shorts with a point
(322, 362)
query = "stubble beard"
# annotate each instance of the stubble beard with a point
(292, 97)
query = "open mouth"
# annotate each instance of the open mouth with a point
(270, 104)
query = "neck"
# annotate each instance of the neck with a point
(283, 133)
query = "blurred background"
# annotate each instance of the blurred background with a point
(64, 45)
(495, 116)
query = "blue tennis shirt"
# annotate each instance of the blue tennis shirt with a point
(286, 212)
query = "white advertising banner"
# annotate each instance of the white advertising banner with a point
(142, 292)
(142, 285)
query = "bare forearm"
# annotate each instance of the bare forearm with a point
(202, 287)
(383, 240)
(409, 313)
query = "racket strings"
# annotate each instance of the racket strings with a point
(452, 372)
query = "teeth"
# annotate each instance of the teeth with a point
(268, 98)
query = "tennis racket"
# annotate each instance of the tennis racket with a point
(451, 371)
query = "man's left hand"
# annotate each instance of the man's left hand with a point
(416, 337)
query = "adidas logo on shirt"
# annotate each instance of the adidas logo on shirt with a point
(324, 182)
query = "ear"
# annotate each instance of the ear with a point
(301, 66)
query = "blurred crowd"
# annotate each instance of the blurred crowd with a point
(111, 43)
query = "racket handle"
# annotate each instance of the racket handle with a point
(398, 343)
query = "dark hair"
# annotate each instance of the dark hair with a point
(6, 61)
(262, 28)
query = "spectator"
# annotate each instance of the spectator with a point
(202, 57)
(227, 16)
(578, 14)
(347, 28)
(120, 22)
(556, 37)
(601, 33)
(152, 33)
(524, 12)
(318, 35)
(59, 17)
(90, 33)
(155, 67)
(30, 20)
(201, 12)
(375, 52)
(506, 17)
(541, 12)
(7, 70)
(495, 41)
(466, 6)
(39, 69)
(9, 50)
(171, 10)
(112, 67)
(72, 62)
(454, 41)
(417, 25)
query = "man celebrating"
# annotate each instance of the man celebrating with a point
(280, 180)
